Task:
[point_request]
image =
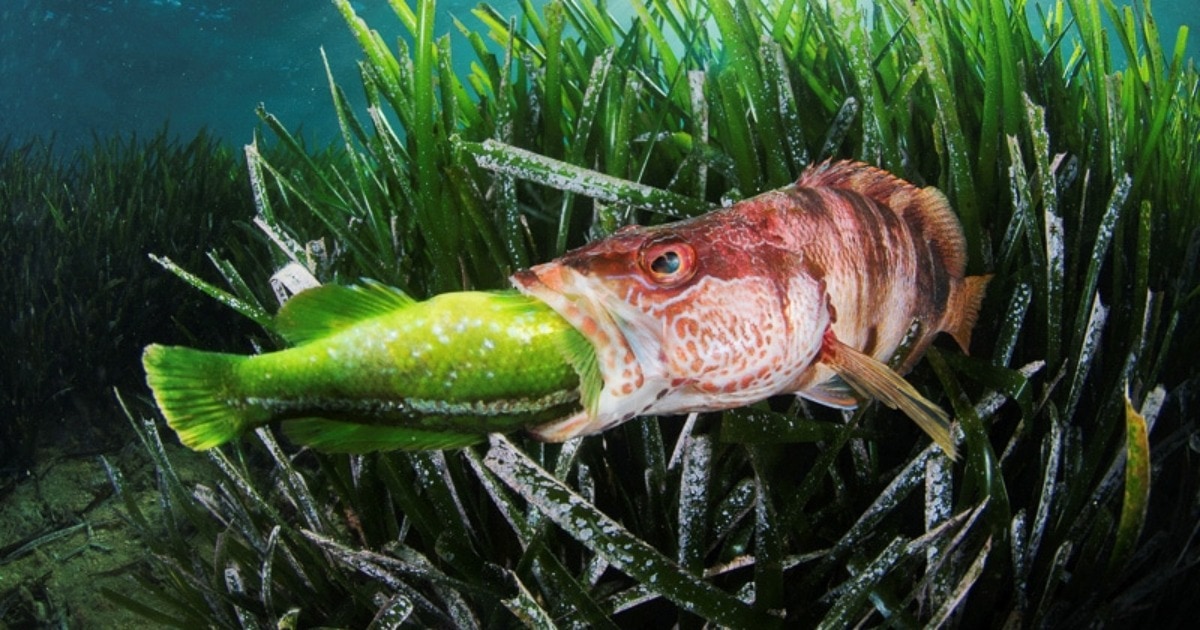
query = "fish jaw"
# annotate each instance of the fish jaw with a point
(625, 347)
(709, 344)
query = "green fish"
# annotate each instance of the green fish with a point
(373, 369)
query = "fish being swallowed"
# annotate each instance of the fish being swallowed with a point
(811, 289)
(829, 288)
(372, 369)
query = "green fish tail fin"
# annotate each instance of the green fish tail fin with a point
(193, 389)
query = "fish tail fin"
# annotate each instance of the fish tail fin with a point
(962, 311)
(876, 380)
(192, 389)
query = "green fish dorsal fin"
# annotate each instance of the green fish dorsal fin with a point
(581, 355)
(319, 312)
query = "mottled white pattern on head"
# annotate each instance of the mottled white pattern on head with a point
(716, 344)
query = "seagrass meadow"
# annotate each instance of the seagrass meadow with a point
(78, 297)
(1076, 497)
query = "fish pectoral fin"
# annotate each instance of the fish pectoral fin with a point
(581, 355)
(874, 379)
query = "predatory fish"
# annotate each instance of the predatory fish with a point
(830, 288)
(372, 369)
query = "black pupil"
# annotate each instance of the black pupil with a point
(667, 263)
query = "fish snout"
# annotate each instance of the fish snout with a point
(547, 276)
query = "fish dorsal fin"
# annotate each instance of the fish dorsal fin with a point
(319, 312)
(963, 310)
(926, 209)
(876, 380)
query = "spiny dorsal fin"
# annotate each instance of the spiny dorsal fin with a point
(926, 208)
(319, 312)
(876, 380)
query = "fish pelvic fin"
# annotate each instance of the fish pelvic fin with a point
(192, 388)
(962, 309)
(925, 209)
(562, 430)
(873, 379)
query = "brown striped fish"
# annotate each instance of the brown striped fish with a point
(830, 288)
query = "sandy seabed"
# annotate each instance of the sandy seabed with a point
(65, 536)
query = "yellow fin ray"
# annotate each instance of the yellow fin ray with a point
(873, 379)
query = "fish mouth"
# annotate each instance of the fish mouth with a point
(552, 283)
(621, 344)
(560, 288)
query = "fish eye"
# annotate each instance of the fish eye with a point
(667, 263)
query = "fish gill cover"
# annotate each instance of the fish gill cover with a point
(1074, 501)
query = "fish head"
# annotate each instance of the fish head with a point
(703, 314)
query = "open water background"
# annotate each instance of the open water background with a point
(74, 68)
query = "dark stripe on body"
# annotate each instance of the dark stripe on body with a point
(384, 411)
(932, 279)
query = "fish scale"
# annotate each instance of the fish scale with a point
(374, 370)
(810, 289)
(830, 289)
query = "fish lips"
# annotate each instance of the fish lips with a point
(577, 301)
(619, 342)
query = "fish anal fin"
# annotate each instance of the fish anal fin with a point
(324, 310)
(876, 380)
(962, 311)
(334, 436)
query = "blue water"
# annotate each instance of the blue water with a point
(72, 68)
